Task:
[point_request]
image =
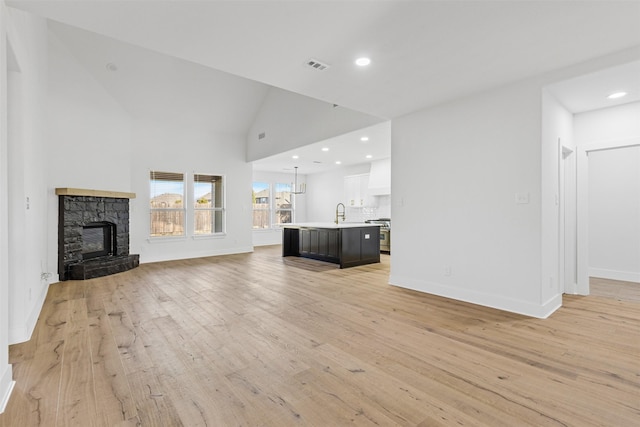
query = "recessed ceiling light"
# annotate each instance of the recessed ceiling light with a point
(363, 62)
(369, 156)
(295, 156)
(364, 139)
(338, 162)
(325, 148)
(617, 95)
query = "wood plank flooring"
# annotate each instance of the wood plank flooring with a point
(258, 340)
(616, 289)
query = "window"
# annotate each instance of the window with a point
(208, 204)
(273, 204)
(261, 198)
(167, 204)
(284, 208)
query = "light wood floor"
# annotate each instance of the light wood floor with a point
(258, 340)
(616, 289)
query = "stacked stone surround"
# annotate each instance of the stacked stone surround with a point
(76, 211)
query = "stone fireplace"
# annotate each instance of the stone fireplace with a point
(93, 233)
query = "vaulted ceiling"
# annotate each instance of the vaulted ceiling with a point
(423, 52)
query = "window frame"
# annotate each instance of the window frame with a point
(268, 209)
(291, 210)
(152, 177)
(213, 209)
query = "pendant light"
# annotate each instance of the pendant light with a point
(303, 187)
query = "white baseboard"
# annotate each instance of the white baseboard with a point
(191, 255)
(6, 387)
(627, 276)
(267, 243)
(541, 311)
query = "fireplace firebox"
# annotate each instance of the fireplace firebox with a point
(98, 239)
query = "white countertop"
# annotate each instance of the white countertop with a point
(329, 225)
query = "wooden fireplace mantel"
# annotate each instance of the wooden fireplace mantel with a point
(94, 193)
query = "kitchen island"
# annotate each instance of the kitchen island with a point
(347, 244)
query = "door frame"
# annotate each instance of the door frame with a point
(582, 213)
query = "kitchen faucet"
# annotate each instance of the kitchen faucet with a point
(340, 214)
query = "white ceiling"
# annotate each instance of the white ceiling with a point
(147, 84)
(348, 149)
(590, 91)
(423, 52)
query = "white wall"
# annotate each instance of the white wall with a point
(273, 236)
(614, 214)
(27, 137)
(6, 373)
(558, 192)
(90, 132)
(457, 228)
(613, 190)
(458, 170)
(167, 146)
(607, 125)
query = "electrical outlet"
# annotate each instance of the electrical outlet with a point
(447, 270)
(522, 198)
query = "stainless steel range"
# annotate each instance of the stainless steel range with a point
(385, 233)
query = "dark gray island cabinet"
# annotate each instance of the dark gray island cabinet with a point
(346, 244)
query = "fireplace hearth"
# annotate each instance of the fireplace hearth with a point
(93, 234)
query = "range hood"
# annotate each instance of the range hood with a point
(380, 177)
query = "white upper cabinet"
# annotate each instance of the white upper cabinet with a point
(380, 177)
(355, 190)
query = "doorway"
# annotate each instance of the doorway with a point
(607, 243)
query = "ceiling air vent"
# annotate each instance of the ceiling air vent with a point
(314, 63)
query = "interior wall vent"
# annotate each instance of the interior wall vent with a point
(314, 63)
